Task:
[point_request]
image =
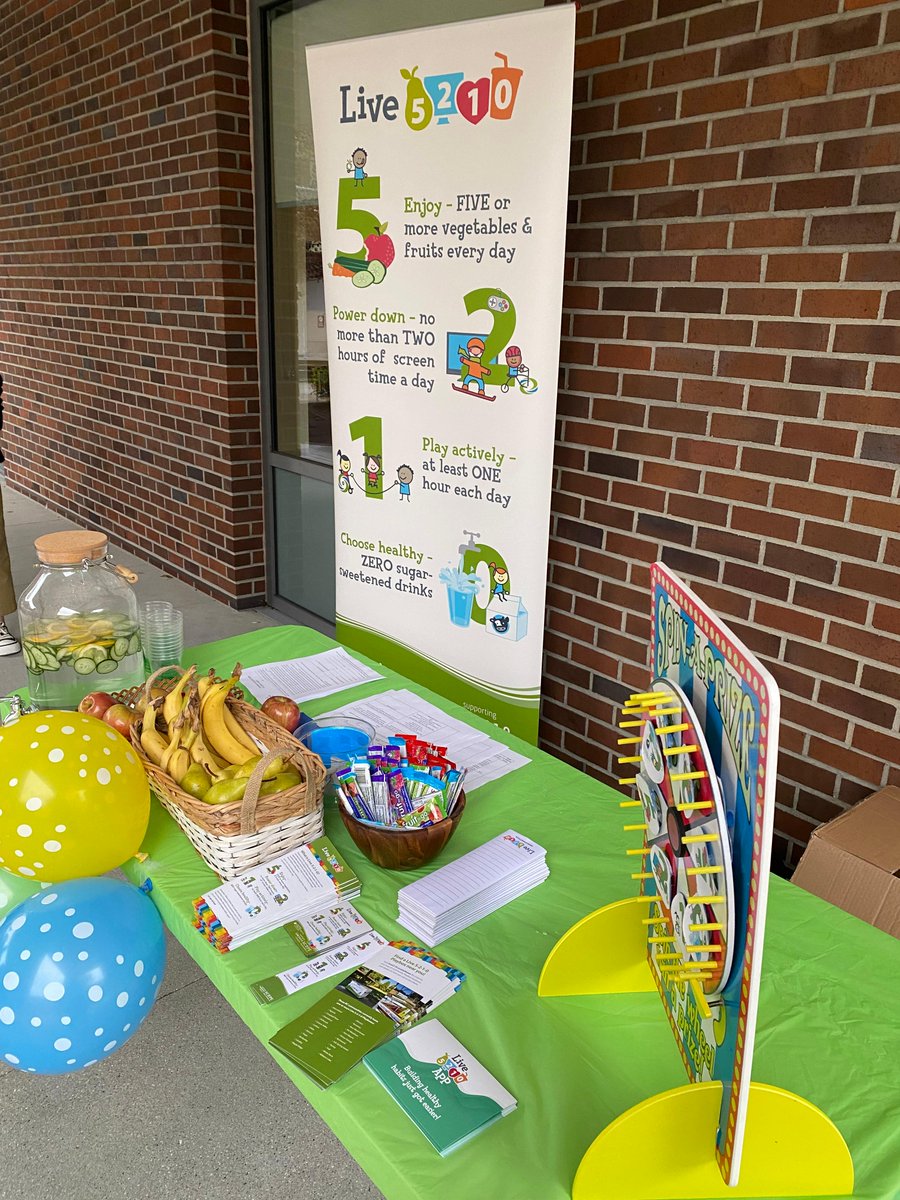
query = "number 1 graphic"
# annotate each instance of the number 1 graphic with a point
(368, 429)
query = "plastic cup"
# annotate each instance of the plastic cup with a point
(163, 636)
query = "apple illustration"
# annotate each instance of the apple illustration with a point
(379, 246)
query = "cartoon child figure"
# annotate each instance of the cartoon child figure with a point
(404, 478)
(513, 363)
(473, 369)
(500, 577)
(372, 467)
(356, 165)
(344, 481)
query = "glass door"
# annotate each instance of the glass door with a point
(299, 458)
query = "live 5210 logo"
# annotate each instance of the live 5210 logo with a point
(440, 98)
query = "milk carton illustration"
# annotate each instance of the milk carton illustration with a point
(506, 617)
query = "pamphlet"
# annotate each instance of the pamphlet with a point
(327, 927)
(474, 885)
(308, 678)
(446, 1092)
(285, 983)
(391, 992)
(484, 758)
(272, 893)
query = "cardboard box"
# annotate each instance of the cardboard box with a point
(854, 861)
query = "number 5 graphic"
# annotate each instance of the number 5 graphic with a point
(358, 219)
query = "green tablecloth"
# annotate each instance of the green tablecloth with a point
(828, 1013)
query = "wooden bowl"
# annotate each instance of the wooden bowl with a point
(403, 849)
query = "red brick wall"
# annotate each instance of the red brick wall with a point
(127, 334)
(728, 395)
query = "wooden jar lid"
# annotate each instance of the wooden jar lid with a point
(70, 547)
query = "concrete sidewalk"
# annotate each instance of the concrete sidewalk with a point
(193, 1107)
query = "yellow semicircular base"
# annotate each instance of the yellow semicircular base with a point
(605, 952)
(657, 1150)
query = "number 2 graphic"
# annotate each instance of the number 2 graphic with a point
(502, 330)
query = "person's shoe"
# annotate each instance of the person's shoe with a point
(8, 644)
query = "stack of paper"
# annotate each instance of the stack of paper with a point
(395, 989)
(274, 893)
(307, 678)
(452, 897)
(484, 758)
(438, 1083)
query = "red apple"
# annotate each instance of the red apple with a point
(121, 718)
(283, 712)
(380, 246)
(95, 704)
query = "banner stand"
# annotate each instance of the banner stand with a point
(442, 159)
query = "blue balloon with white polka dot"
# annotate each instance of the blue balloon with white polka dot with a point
(80, 966)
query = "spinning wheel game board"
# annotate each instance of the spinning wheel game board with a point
(699, 748)
(704, 740)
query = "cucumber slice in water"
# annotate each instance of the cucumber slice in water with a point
(84, 665)
(107, 666)
(120, 648)
(134, 643)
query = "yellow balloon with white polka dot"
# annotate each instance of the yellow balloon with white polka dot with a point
(74, 798)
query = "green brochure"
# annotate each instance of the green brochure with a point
(332, 1036)
(391, 991)
(446, 1092)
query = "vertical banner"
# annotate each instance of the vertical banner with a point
(709, 808)
(442, 160)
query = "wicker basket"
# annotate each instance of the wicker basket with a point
(233, 838)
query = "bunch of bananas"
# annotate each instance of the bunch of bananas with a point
(194, 737)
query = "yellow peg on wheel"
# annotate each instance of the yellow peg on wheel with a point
(633, 828)
(704, 870)
(629, 741)
(702, 1002)
(660, 941)
(689, 775)
(647, 875)
(672, 750)
(629, 804)
(698, 804)
(699, 837)
(643, 850)
(631, 758)
(630, 779)
(667, 729)
(697, 928)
